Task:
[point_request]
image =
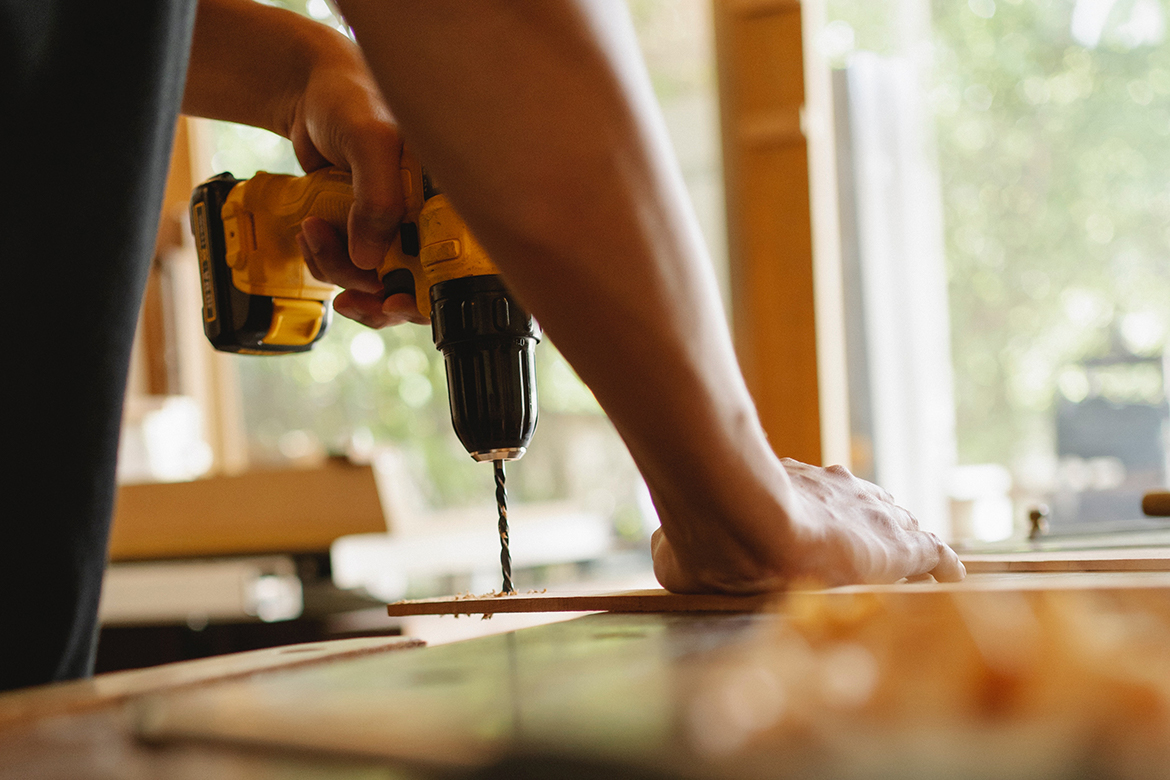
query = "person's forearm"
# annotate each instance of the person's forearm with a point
(271, 68)
(250, 62)
(540, 125)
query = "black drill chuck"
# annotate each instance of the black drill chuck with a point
(488, 343)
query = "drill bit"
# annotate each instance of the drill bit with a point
(502, 503)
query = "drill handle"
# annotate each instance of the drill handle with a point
(262, 217)
(434, 243)
(328, 194)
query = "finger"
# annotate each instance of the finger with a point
(367, 309)
(331, 262)
(667, 570)
(307, 153)
(310, 261)
(378, 203)
(949, 567)
(405, 308)
(362, 307)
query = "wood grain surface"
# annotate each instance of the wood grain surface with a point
(1016, 682)
(107, 689)
(1009, 671)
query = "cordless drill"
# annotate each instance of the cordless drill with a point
(260, 299)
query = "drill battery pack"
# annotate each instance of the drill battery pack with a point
(235, 320)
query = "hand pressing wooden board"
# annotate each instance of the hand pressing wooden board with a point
(654, 600)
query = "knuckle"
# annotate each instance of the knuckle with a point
(377, 130)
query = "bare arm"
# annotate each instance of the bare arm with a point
(250, 63)
(539, 122)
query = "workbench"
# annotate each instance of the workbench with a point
(1007, 675)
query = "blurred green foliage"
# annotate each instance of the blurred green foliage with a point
(1055, 173)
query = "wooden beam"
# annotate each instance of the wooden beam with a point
(759, 47)
(278, 511)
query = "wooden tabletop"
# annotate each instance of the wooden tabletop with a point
(1006, 676)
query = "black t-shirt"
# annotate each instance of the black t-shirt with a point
(89, 94)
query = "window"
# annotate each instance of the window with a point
(1012, 154)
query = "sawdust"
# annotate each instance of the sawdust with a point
(494, 594)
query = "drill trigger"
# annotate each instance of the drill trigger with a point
(408, 233)
(400, 280)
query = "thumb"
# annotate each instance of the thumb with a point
(949, 567)
(667, 569)
(378, 203)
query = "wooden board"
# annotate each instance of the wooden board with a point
(1100, 560)
(21, 706)
(642, 691)
(655, 600)
(262, 511)
(996, 575)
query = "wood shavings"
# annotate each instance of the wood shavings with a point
(491, 594)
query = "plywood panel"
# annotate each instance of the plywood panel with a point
(1151, 569)
(107, 689)
(654, 600)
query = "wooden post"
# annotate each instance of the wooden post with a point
(773, 273)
